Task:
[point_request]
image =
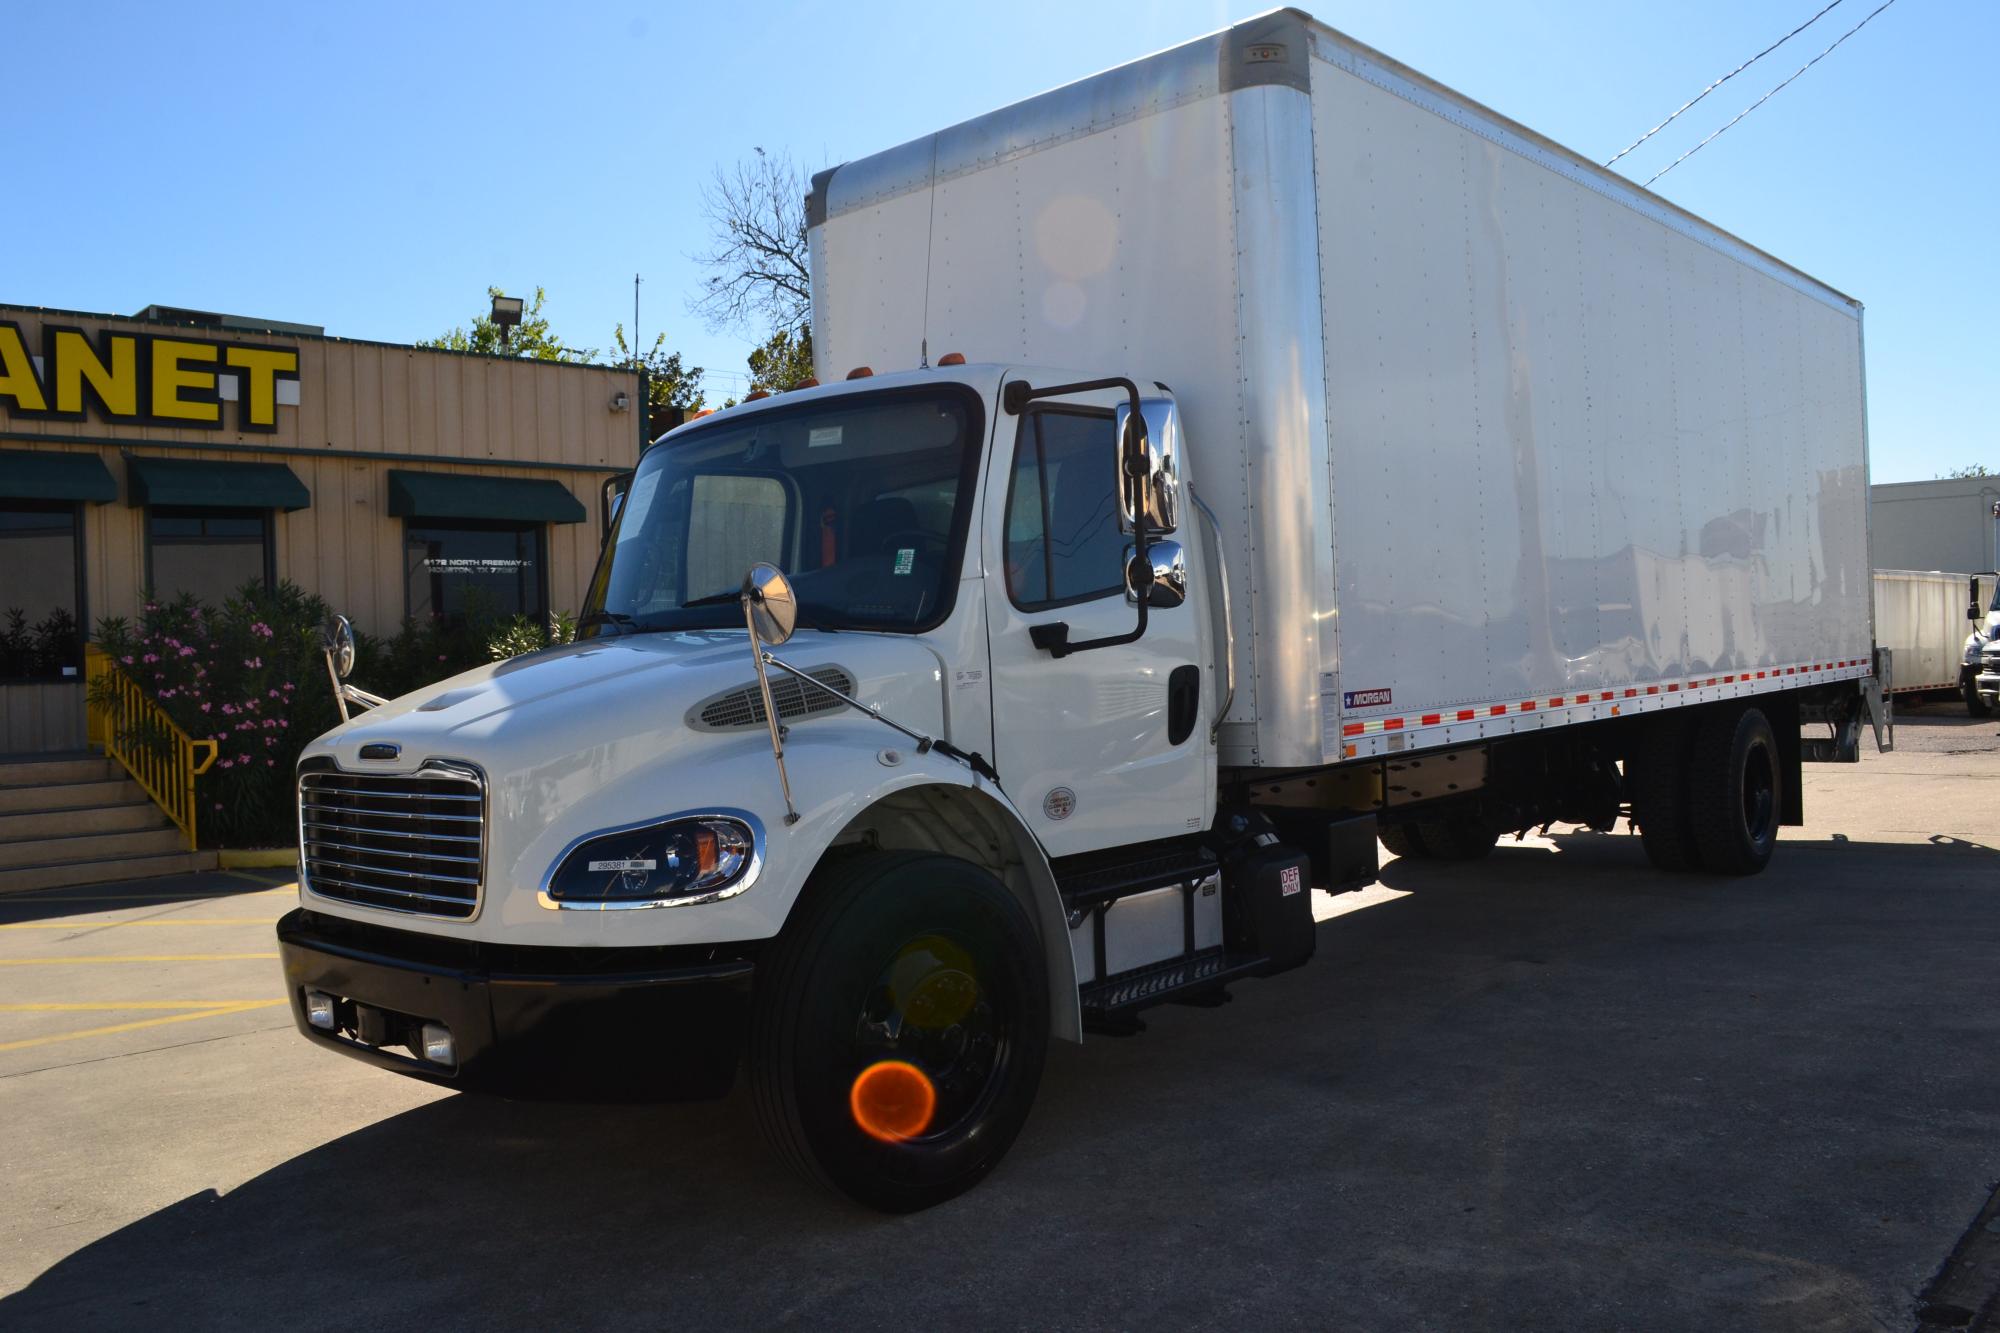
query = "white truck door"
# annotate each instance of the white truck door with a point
(1110, 745)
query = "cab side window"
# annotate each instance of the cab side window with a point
(1063, 542)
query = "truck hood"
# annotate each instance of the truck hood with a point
(606, 704)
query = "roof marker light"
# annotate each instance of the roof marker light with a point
(951, 359)
(860, 373)
(755, 394)
(809, 382)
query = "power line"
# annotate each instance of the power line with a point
(1773, 93)
(1724, 79)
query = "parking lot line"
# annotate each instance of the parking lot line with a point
(217, 1012)
(78, 1006)
(26, 900)
(160, 921)
(138, 958)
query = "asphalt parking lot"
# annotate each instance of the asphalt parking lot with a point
(1556, 1090)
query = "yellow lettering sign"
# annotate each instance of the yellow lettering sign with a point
(171, 378)
(262, 367)
(17, 372)
(73, 363)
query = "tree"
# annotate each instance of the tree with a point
(782, 361)
(1969, 470)
(668, 383)
(533, 338)
(758, 274)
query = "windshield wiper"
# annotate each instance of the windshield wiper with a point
(618, 618)
(719, 598)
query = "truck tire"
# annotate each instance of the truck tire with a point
(1656, 775)
(1403, 841)
(1736, 791)
(898, 1028)
(1975, 703)
(1456, 839)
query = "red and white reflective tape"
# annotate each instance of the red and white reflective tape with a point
(1445, 717)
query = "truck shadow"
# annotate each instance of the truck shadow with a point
(1486, 1073)
(138, 894)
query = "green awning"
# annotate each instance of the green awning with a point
(192, 481)
(26, 476)
(462, 495)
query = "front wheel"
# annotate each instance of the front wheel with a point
(899, 1028)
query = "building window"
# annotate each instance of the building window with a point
(211, 553)
(41, 608)
(464, 567)
(1063, 542)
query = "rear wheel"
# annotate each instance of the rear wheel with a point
(1975, 703)
(899, 1029)
(1402, 840)
(1456, 839)
(1737, 792)
(1657, 778)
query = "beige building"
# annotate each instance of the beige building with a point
(178, 450)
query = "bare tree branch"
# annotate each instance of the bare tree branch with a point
(758, 275)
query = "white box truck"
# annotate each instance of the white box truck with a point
(1212, 465)
(1921, 622)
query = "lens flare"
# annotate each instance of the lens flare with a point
(892, 1101)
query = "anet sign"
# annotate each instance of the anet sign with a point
(150, 379)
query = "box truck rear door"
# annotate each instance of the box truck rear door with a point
(1085, 744)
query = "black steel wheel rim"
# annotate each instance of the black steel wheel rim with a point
(937, 1006)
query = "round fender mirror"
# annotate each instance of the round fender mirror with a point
(337, 638)
(769, 604)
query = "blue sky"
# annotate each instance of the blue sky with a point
(372, 169)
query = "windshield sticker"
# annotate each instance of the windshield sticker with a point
(819, 437)
(906, 560)
(633, 517)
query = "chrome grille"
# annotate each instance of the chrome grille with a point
(408, 842)
(792, 697)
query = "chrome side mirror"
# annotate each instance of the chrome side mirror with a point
(1158, 491)
(770, 606)
(336, 639)
(771, 613)
(1165, 582)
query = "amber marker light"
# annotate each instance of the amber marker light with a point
(892, 1101)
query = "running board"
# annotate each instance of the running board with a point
(1116, 998)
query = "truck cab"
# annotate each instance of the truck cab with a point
(1002, 659)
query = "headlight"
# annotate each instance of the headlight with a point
(695, 859)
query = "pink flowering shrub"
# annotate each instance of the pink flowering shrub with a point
(248, 676)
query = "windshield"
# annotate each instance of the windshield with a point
(861, 499)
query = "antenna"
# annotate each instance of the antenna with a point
(636, 280)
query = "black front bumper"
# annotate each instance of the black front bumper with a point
(567, 1023)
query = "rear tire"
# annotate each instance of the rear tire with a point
(1657, 776)
(1403, 841)
(1737, 791)
(1456, 839)
(1975, 703)
(927, 971)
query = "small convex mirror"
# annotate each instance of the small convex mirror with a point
(769, 604)
(1165, 582)
(336, 637)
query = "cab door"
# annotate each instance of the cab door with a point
(1109, 745)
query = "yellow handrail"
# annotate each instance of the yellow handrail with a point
(136, 731)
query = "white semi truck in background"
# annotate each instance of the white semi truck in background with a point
(1217, 464)
(1921, 621)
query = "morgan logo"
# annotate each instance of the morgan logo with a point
(1365, 698)
(1290, 881)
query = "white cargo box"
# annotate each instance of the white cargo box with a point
(1498, 440)
(1921, 618)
